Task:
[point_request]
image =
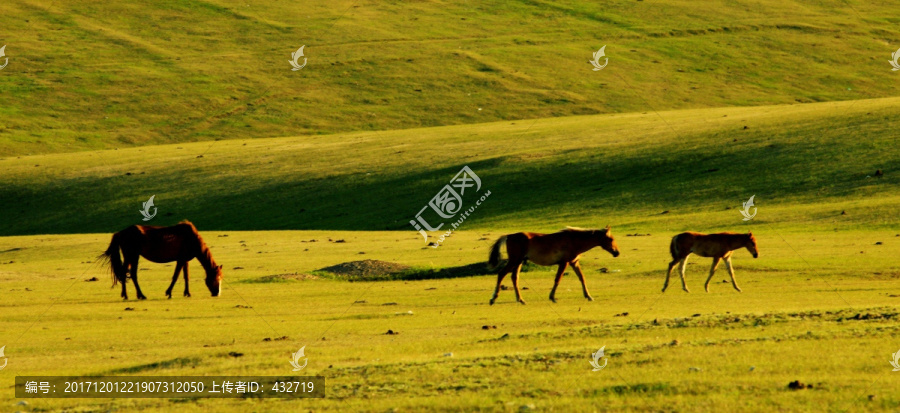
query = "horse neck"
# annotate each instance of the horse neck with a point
(586, 242)
(205, 257)
(736, 242)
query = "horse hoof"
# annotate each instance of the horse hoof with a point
(590, 298)
(492, 302)
(523, 302)
(169, 296)
(188, 295)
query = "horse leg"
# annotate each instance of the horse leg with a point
(500, 276)
(683, 267)
(731, 272)
(174, 278)
(124, 291)
(134, 278)
(712, 271)
(559, 274)
(187, 293)
(515, 280)
(668, 274)
(580, 274)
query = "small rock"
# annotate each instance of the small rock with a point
(235, 354)
(625, 314)
(448, 354)
(674, 343)
(504, 337)
(129, 308)
(91, 279)
(694, 369)
(796, 385)
(392, 332)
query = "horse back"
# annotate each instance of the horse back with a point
(179, 242)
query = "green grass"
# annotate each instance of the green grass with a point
(89, 75)
(795, 320)
(104, 104)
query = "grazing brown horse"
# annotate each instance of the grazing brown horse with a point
(563, 248)
(180, 243)
(718, 246)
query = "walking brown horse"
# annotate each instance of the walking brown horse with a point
(718, 246)
(180, 243)
(563, 248)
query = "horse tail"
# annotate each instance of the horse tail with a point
(494, 258)
(673, 248)
(115, 261)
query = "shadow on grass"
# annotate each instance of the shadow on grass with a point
(415, 273)
(175, 363)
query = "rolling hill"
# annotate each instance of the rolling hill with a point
(805, 163)
(104, 75)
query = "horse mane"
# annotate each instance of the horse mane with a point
(578, 229)
(206, 255)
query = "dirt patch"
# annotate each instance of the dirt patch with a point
(373, 270)
(366, 268)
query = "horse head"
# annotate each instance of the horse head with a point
(751, 245)
(214, 279)
(607, 241)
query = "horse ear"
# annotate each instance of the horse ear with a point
(608, 229)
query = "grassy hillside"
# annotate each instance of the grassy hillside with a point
(92, 75)
(805, 164)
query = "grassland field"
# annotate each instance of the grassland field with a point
(286, 173)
